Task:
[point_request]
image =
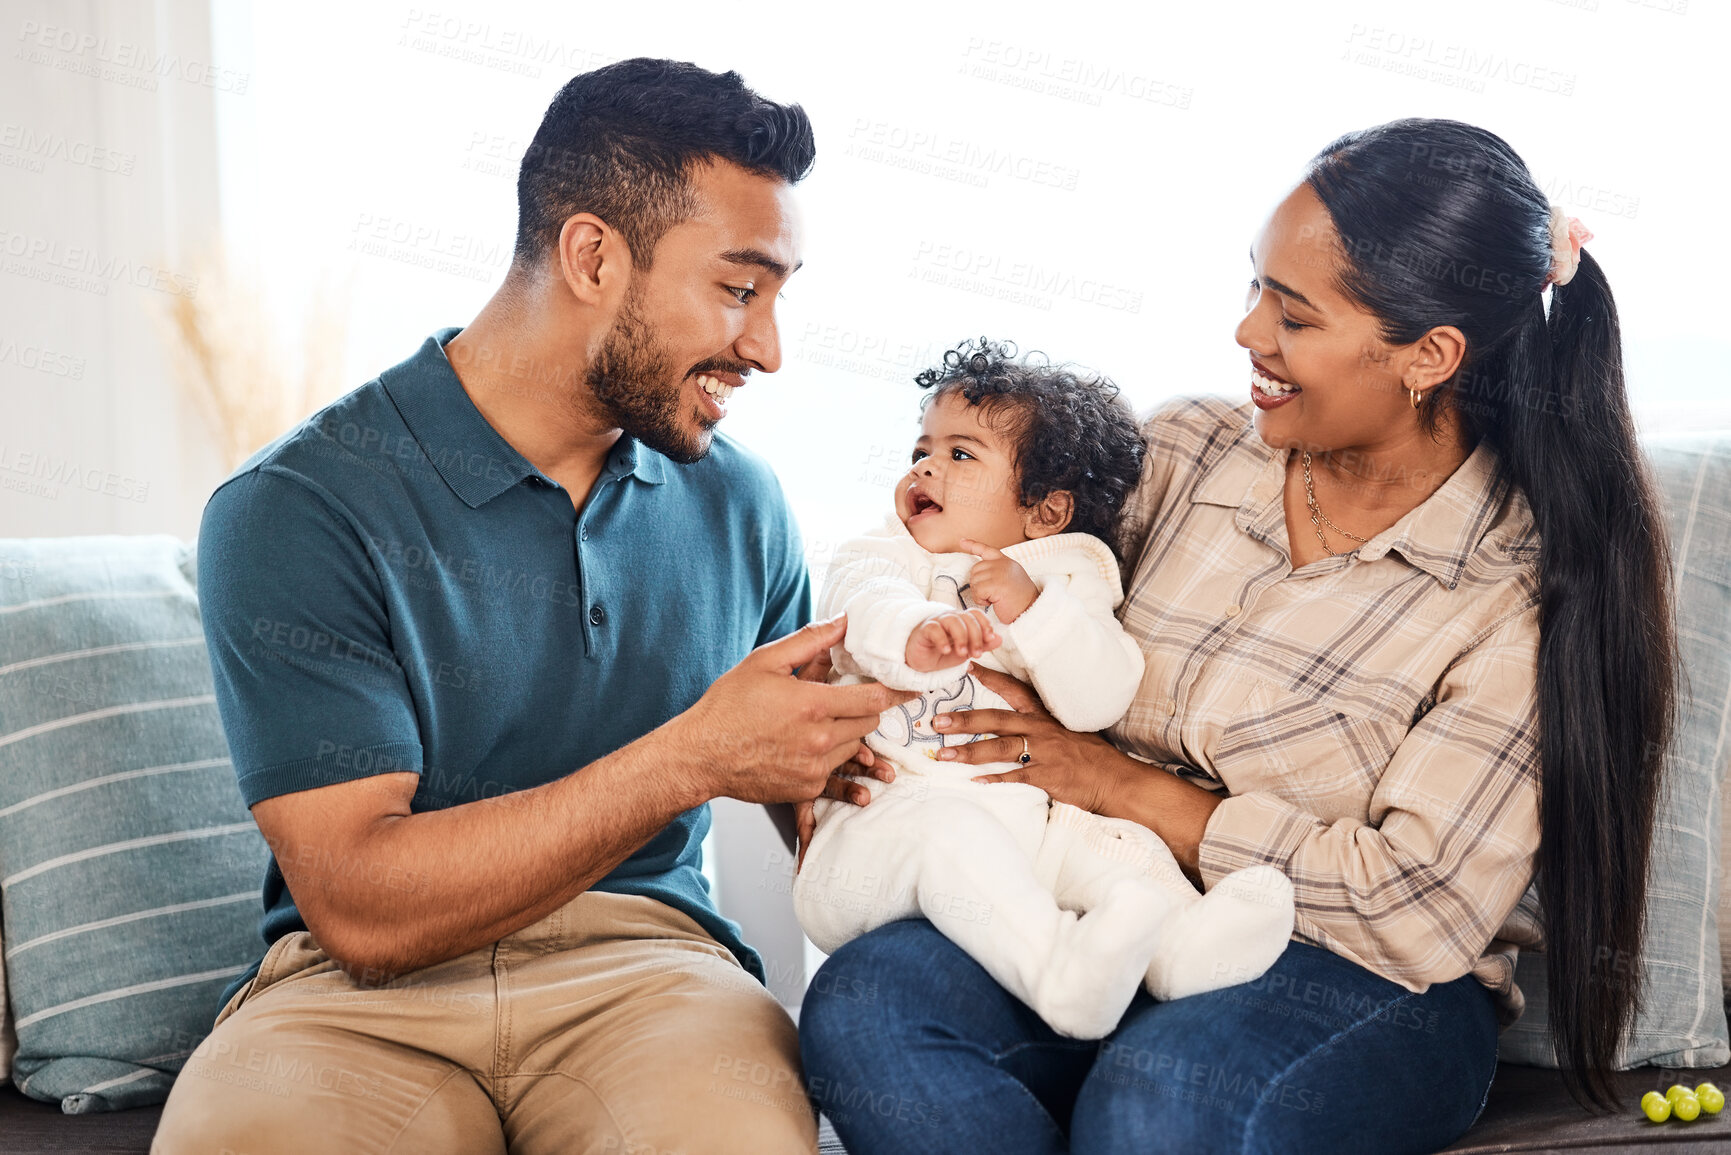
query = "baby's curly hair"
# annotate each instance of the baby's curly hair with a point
(1072, 431)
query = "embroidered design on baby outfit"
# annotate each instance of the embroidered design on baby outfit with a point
(909, 725)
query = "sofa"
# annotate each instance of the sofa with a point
(129, 868)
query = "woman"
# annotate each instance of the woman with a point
(1408, 639)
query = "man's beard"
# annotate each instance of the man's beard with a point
(634, 380)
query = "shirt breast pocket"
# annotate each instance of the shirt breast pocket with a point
(1313, 752)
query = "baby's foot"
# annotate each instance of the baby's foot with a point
(1228, 936)
(1100, 960)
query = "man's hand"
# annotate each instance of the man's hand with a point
(842, 788)
(864, 763)
(999, 582)
(761, 734)
(949, 638)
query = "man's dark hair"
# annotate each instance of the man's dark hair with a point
(1071, 430)
(621, 142)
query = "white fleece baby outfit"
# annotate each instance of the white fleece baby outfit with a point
(1068, 910)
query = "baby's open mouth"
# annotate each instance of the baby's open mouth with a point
(921, 503)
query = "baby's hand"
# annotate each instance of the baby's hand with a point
(949, 639)
(998, 582)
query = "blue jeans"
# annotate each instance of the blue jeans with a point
(910, 1046)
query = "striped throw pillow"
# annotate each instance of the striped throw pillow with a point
(129, 867)
(8, 1039)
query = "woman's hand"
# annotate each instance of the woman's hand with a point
(1084, 770)
(1076, 768)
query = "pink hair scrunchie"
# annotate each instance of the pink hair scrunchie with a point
(1568, 234)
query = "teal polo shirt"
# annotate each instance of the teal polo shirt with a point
(390, 586)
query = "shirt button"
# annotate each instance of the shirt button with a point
(1172, 707)
(596, 616)
(1232, 611)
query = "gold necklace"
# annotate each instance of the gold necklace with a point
(1316, 512)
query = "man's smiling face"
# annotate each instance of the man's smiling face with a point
(701, 318)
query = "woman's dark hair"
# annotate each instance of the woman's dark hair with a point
(621, 141)
(1071, 430)
(1441, 223)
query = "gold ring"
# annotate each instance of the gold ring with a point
(1026, 757)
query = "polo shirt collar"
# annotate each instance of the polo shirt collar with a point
(632, 458)
(1438, 537)
(468, 453)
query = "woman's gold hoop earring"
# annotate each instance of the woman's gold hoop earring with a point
(1416, 397)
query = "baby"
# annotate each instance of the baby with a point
(997, 553)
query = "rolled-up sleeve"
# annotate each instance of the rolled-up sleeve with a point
(1417, 890)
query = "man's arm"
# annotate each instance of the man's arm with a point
(384, 890)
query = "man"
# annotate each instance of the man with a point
(472, 628)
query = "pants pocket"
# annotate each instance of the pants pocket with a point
(288, 956)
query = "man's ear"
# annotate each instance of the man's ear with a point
(594, 261)
(1048, 516)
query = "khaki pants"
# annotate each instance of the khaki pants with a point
(614, 1025)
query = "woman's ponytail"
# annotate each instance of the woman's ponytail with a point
(1607, 667)
(1547, 394)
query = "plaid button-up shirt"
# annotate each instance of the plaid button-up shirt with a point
(1371, 717)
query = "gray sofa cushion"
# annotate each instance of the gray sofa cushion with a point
(129, 868)
(1682, 1020)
